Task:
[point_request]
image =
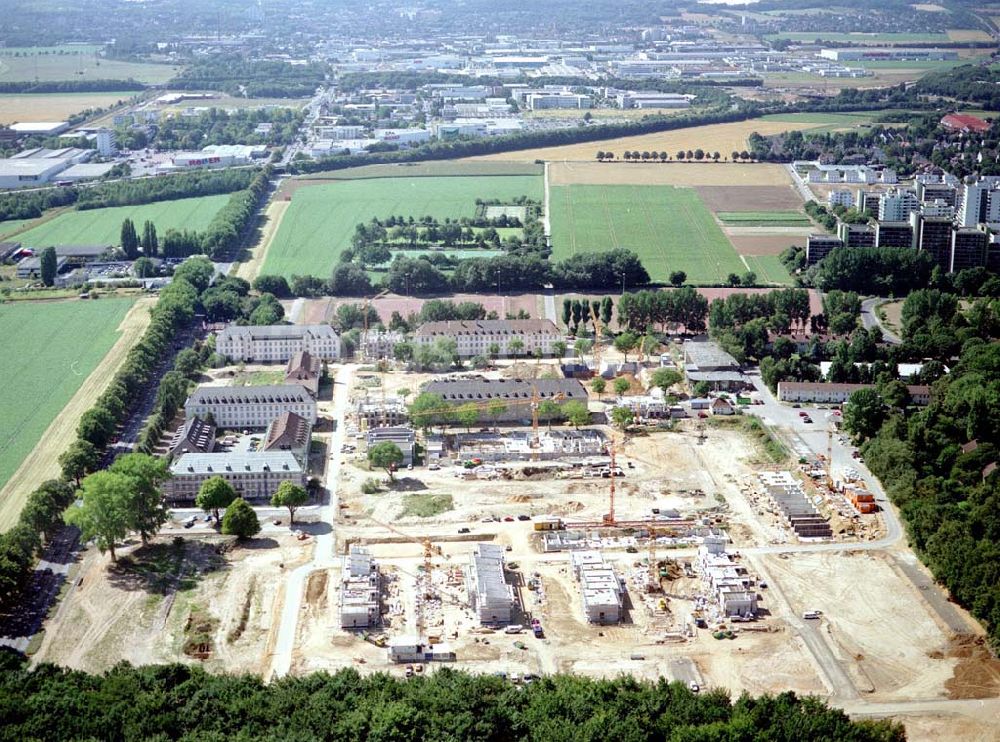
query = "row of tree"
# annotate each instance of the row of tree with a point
(681, 309)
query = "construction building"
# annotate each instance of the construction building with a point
(304, 369)
(790, 499)
(360, 590)
(194, 436)
(601, 590)
(416, 649)
(483, 337)
(253, 475)
(491, 597)
(518, 445)
(705, 360)
(289, 432)
(512, 397)
(381, 413)
(728, 581)
(818, 246)
(277, 343)
(404, 438)
(234, 407)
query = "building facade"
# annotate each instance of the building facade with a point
(490, 596)
(254, 476)
(277, 343)
(477, 337)
(234, 407)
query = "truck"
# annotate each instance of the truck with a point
(549, 524)
(536, 628)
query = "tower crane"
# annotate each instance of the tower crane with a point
(609, 517)
(364, 320)
(597, 350)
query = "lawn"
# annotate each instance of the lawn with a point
(426, 506)
(764, 218)
(818, 117)
(669, 228)
(49, 350)
(75, 63)
(12, 225)
(320, 219)
(103, 226)
(768, 269)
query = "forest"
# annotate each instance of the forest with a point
(183, 702)
(237, 75)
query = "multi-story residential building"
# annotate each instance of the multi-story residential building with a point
(490, 595)
(896, 204)
(968, 248)
(477, 337)
(856, 235)
(235, 407)
(929, 192)
(841, 198)
(980, 202)
(868, 201)
(253, 475)
(894, 234)
(818, 246)
(194, 436)
(933, 236)
(274, 343)
(937, 209)
(512, 397)
(824, 392)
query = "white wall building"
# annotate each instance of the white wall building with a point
(542, 101)
(600, 588)
(403, 136)
(896, 205)
(107, 145)
(841, 198)
(235, 407)
(475, 337)
(277, 343)
(359, 589)
(254, 475)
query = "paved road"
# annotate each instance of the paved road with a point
(801, 186)
(323, 551)
(869, 319)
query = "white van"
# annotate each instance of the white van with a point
(811, 614)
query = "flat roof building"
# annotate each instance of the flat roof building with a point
(818, 246)
(490, 595)
(601, 591)
(360, 589)
(404, 438)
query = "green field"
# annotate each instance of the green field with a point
(863, 39)
(912, 64)
(49, 350)
(819, 118)
(764, 218)
(768, 269)
(103, 226)
(12, 225)
(669, 228)
(320, 220)
(75, 63)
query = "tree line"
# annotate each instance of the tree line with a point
(70, 86)
(253, 78)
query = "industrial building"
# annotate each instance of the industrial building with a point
(234, 407)
(512, 397)
(491, 597)
(818, 246)
(545, 100)
(636, 99)
(252, 475)
(360, 589)
(882, 54)
(602, 592)
(273, 343)
(705, 360)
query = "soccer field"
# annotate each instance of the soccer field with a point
(49, 350)
(103, 226)
(669, 228)
(320, 220)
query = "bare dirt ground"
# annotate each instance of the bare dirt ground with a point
(877, 624)
(202, 600)
(43, 461)
(703, 175)
(752, 197)
(771, 244)
(324, 310)
(30, 107)
(722, 137)
(273, 215)
(935, 728)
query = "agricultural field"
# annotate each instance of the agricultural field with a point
(768, 269)
(50, 351)
(723, 138)
(46, 64)
(751, 177)
(862, 39)
(669, 228)
(28, 107)
(763, 218)
(103, 226)
(320, 220)
(13, 225)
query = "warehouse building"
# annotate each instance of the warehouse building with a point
(234, 407)
(490, 596)
(254, 476)
(360, 590)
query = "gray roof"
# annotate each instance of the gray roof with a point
(278, 331)
(488, 327)
(191, 464)
(478, 389)
(249, 394)
(708, 355)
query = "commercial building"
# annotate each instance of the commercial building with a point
(490, 595)
(403, 137)
(627, 99)
(542, 101)
(965, 123)
(894, 234)
(31, 267)
(360, 590)
(304, 369)
(404, 438)
(29, 172)
(477, 337)
(829, 393)
(288, 432)
(513, 397)
(473, 127)
(194, 436)
(818, 246)
(273, 343)
(234, 407)
(40, 128)
(705, 360)
(601, 590)
(252, 475)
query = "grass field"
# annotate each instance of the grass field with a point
(754, 175)
(863, 39)
(49, 351)
(819, 118)
(763, 218)
(12, 225)
(103, 226)
(768, 269)
(431, 168)
(669, 228)
(75, 63)
(320, 219)
(28, 108)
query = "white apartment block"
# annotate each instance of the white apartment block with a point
(490, 596)
(277, 343)
(254, 475)
(895, 205)
(601, 590)
(476, 337)
(841, 198)
(235, 407)
(359, 589)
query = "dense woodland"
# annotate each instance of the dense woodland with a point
(239, 76)
(70, 86)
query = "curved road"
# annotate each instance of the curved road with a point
(869, 319)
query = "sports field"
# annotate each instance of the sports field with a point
(49, 351)
(320, 220)
(32, 107)
(103, 226)
(75, 63)
(669, 228)
(763, 218)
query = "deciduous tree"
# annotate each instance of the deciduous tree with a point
(289, 495)
(386, 455)
(214, 495)
(240, 520)
(103, 514)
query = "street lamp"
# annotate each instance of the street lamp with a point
(623, 283)
(498, 282)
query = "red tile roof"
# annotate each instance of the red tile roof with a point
(964, 122)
